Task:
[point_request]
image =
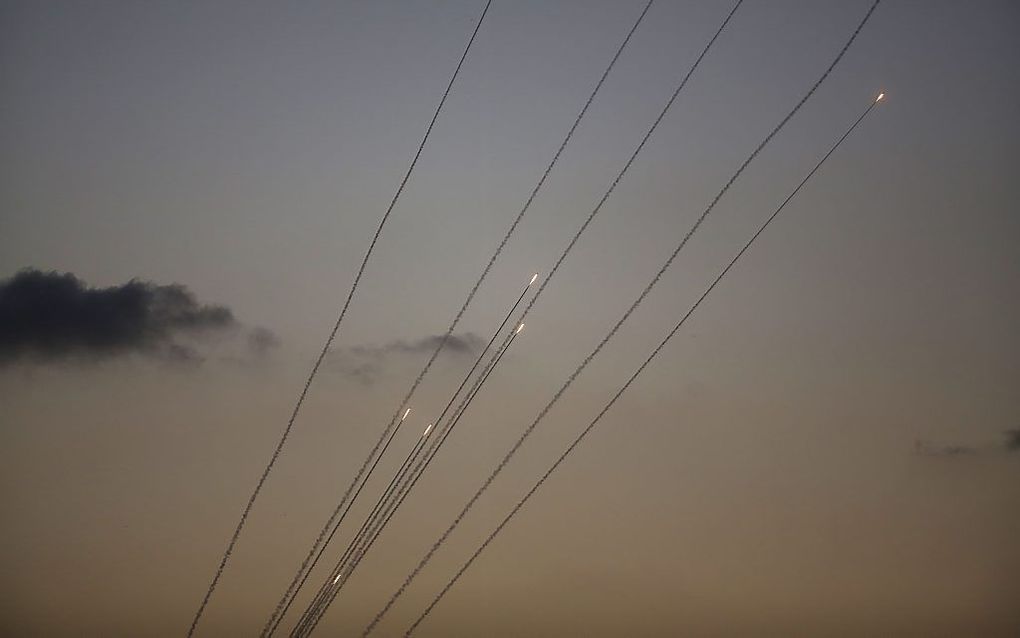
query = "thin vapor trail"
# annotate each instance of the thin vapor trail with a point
(423, 462)
(299, 579)
(329, 341)
(341, 572)
(380, 505)
(419, 444)
(322, 540)
(630, 161)
(520, 216)
(387, 493)
(405, 489)
(431, 454)
(623, 171)
(618, 177)
(335, 575)
(584, 433)
(437, 422)
(527, 432)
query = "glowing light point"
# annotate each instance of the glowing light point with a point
(337, 579)
(880, 96)
(427, 430)
(406, 412)
(533, 278)
(519, 328)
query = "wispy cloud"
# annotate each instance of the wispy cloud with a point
(365, 363)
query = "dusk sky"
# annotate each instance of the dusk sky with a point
(822, 450)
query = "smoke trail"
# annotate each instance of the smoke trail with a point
(384, 503)
(630, 160)
(527, 204)
(527, 432)
(409, 484)
(329, 341)
(435, 450)
(322, 541)
(337, 577)
(317, 598)
(284, 602)
(437, 423)
(584, 433)
(520, 215)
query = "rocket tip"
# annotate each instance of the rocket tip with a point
(533, 279)
(519, 328)
(406, 412)
(427, 430)
(880, 97)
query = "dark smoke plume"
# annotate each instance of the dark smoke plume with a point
(51, 316)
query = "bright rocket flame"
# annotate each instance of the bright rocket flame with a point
(880, 96)
(533, 278)
(337, 579)
(427, 430)
(519, 328)
(406, 412)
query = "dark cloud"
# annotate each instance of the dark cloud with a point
(366, 363)
(52, 316)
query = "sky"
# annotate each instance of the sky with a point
(820, 451)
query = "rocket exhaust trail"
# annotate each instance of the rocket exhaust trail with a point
(334, 574)
(320, 544)
(453, 398)
(410, 483)
(626, 167)
(630, 161)
(386, 494)
(325, 348)
(315, 599)
(633, 377)
(435, 449)
(524, 209)
(612, 332)
(295, 586)
(342, 573)
(399, 476)
(520, 215)
(330, 590)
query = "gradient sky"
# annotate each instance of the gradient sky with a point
(761, 478)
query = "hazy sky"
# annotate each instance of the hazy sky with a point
(760, 480)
